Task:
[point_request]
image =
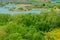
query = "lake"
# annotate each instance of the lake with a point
(5, 10)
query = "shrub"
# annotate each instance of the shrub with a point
(28, 26)
(13, 36)
(5, 18)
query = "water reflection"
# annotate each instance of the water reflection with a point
(5, 9)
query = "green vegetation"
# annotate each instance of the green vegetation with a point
(28, 26)
(11, 9)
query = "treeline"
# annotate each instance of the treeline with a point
(15, 1)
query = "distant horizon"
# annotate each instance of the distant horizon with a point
(15, 1)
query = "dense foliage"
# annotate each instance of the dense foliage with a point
(28, 26)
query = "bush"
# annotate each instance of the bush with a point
(13, 36)
(28, 26)
(12, 9)
(38, 36)
(5, 18)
